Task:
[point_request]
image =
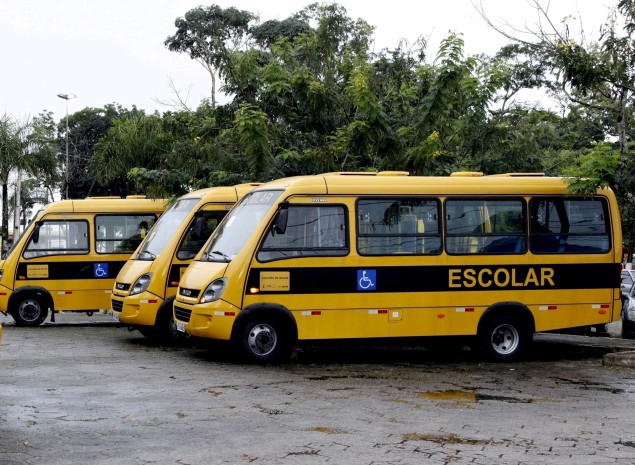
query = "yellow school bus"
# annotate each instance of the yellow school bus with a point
(386, 255)
(144, 290)
(69, 255)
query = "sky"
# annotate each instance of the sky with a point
(113, 52)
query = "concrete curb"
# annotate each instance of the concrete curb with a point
(622, 359)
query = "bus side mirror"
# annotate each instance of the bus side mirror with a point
(280, 226)
(36, 232)
(197, 227)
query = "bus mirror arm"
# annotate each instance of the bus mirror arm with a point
(280, 226)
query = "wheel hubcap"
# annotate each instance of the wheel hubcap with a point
(262, 339)
(29, 310)
(505, 339)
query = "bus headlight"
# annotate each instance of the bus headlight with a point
(141, 284)
(214, 291)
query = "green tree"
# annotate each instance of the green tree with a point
(208, 35)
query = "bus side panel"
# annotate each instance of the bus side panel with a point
(330, 301)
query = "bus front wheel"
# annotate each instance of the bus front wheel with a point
(166, 331)
(504, 338)
(30, 310)
(264, 340)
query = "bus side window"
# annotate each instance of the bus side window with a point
(311, 230)
(59, 238)
(569, 225)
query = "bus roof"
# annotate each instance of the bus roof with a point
(105, 205)
(395, 183)
(222, 193)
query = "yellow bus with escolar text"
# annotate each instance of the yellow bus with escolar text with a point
(387, 256)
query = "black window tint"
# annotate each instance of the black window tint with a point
(398, 226)
(310, 231)
(203, 225)
(485, 226)
(569, 225)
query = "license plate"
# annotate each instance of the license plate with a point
(180, 326)
(115, 316)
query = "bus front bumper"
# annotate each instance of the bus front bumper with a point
(213, 321)
(137, 310)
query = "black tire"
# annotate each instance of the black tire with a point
(264, 340)
(504, 338)
(29, 310)
(165, 327)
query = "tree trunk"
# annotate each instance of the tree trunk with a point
(4, 229)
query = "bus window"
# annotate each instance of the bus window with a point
(310, 231)
(492, 226)
(562, 225)
(121, 233)
(58, 238)
(398, 226)
(202, 226)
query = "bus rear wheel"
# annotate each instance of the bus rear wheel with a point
(30, 310)
(264, 340)
(504, 338)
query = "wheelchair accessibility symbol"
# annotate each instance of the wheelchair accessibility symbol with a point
(366, 280)
(100, 270)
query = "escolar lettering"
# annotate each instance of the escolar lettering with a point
(500, 277)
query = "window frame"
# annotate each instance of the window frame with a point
(119, 241)
(563, 246)
(341, 251)
(423, 235)
(521, 245)
(39, 253)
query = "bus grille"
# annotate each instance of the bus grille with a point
(117, 305)
(182, 314)
(122, 286)
(192, 293)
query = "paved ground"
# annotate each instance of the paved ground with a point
(92, 393)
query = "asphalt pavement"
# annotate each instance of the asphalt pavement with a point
(85, 391)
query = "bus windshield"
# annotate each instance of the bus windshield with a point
(165, 228)
(230, 236)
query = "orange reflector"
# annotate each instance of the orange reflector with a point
(441, 315)
(230, 313)
(254, 290)
(174, 283)
(602, 312)
(21, 277)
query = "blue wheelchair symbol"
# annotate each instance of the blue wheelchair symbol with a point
(366, 280)
(100, 270)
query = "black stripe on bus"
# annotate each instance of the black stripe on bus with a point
(72, 270)
(337, 280)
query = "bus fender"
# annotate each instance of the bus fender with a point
(516, 309)
(26, 290)
(270, 310)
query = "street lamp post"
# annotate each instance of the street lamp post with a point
(66, 97)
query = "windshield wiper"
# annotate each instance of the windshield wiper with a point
(226, 258)
(146, 253)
